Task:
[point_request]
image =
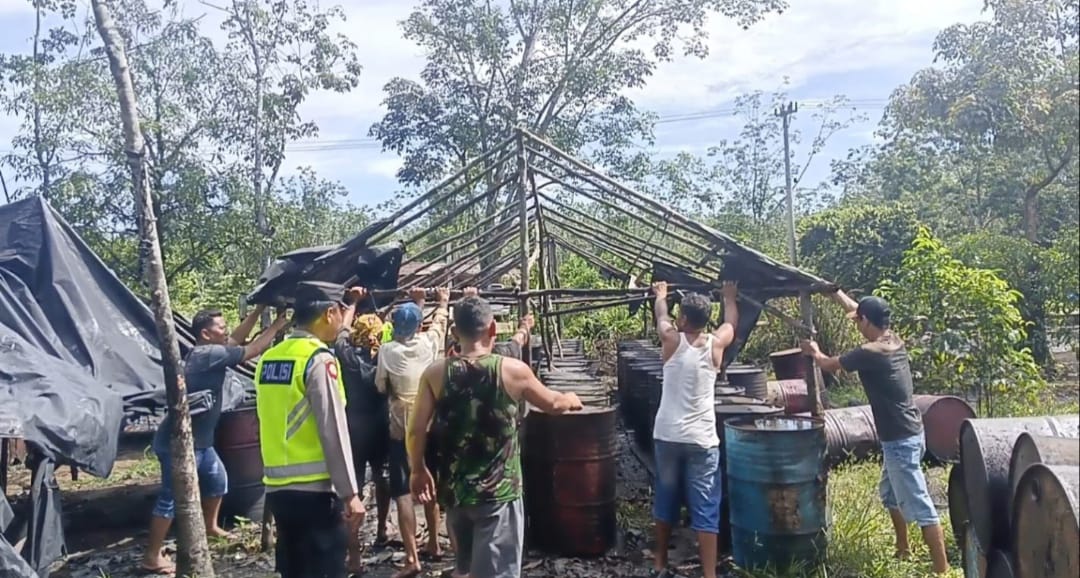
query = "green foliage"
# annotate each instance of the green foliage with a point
(988, 138)
(857, 246)
(963, 329)
(608, 324)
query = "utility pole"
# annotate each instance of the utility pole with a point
(813, 374)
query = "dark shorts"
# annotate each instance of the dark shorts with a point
(213, 480)
(369, 435)
(311, 534)
(399, 466)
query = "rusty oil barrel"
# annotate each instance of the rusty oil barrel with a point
(973, 555)
(850, 434)
(570, 481)
(752, 379)
(788, 364)
(1045, 537)
(942, 416)
(1037, 449)
(237, 444)
(957, 495)
(734, 407)
(986, 447)
(1000, 565)
(789, 394)
(777, 482)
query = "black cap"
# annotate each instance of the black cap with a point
(875, 310)
(316, 291)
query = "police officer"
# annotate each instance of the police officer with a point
(309, 476)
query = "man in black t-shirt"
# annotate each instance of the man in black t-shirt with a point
(885, 372)
(204, 373)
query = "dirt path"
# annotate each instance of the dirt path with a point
(111, 547)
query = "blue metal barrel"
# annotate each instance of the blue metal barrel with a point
(777, 479)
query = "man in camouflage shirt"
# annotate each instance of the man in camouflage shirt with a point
(474, 402)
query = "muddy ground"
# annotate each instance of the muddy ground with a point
(105, 524)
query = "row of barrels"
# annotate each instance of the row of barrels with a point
(1013, 498)
(569, 461)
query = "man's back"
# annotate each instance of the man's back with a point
(686, 413)
(885, 372)
(476, 426)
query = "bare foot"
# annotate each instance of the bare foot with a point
(902, 554)
(217, 532)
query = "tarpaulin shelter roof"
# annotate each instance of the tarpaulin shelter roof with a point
(525, 203)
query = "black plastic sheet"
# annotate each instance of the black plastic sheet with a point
(351, 263)
(66, 305)
(748, 314)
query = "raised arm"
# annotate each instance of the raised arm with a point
(665, 327)
(524, 330)
(240, 334)
(260, 344)
(520, 383)
(725, 334)
(842, 299)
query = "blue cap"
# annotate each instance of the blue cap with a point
(406, 320)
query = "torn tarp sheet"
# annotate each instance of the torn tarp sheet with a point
(65, 304)
(748, 314)
(351, 263)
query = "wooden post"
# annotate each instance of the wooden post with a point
(523, 208)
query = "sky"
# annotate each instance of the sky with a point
(863, 49)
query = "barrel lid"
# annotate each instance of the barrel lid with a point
(750, 408)
(739, 400)
(587, 410)
(775, 423)
(749, 369)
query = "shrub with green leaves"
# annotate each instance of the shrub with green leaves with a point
(963, 329)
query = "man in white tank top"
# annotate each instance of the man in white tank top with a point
(685, 441)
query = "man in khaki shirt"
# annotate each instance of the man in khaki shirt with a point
(401, 364)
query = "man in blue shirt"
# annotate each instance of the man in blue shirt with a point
(204, 373)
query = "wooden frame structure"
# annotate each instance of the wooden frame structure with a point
(525, 203)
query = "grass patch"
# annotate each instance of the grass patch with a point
(861, 540)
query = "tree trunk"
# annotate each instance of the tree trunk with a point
(1031, 215)
(193, 554)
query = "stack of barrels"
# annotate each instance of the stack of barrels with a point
(570, 461)
(852, 435)
(1013, 498)
(740, 393)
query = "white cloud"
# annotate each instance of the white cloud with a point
(811, 38)
(810, 41)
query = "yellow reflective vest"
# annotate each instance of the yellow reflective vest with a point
(291, 450)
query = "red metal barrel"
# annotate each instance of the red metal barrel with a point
(237, 444)
(788, 364)
(789, 394)
(942, 417)
(1046, 534)
(570, 481)
(986, 447)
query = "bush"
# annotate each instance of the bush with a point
(858, 246)
(964, 332)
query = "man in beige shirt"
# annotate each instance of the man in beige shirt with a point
(402, 362)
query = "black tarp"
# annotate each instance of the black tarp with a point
(351, 263)
(65, 304)
(748, 314)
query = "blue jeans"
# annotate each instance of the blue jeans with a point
(690, 472)
(903, 485)
(213, 481)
